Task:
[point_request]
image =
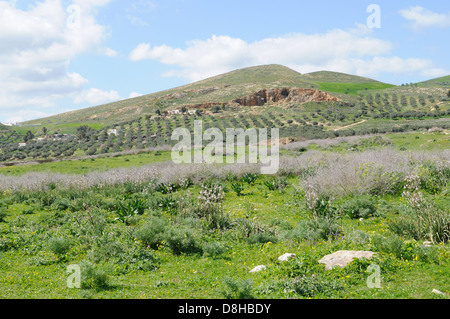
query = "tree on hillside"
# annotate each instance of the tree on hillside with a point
(448, 94)
(83, 132)
(28, 136)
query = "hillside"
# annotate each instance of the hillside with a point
(442, 82)
(218, 89)
(317, 105)
(342, 83)
(328, 76)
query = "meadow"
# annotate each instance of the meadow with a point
(159, 230)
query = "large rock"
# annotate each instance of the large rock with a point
(286, 257)
(343, 257)
(258, 268)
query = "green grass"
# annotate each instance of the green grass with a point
(443, 81)
(420, 141)
(83, 166)
(328, 76)
(352, 88)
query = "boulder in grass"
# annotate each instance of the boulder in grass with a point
(286, 257)
(342, 258)
(437, 292)
(258, 268)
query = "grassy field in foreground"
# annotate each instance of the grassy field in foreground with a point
(185, 239)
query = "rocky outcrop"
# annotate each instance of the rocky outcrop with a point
(275, 95)
(294, 95)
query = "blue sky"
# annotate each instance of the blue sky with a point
(60, 55)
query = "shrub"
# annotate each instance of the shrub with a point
(152, 233)
(181, 240)
(318, 203)
(262, 238)
(427, 254)
(433, 176)
(322, 228)
(59, 246)
(238, 289)
(167, 203)
(276, 183)
(28, 211)
(93, 277)
(389, 245)
(210, 207)
(214, 249)
(210, 194)
(135, 258)
(129, 208)
(165, 188)
(360, 207)
(430, 223)
(250, 178)
(313, 285)
(358, 237)
(3, 215)
(246, 228)
(185, 183)
(104, 249)
(238, 188)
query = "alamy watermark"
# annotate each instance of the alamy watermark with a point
(74, 278)
(224, 148)
(374, 20)
(374, 280)
(74, 18)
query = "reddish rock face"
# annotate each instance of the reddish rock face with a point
(284, 94)
(294, 95)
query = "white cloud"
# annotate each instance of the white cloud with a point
(134, 94)
(25, 115)
(353, 51)
(96, 96)
(110, 52)
(422, 18)
(37, 45)
(136, 21)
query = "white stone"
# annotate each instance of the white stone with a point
(258, 268)
(437, 292)
(286, 257)
(427, 243)
(342, 258)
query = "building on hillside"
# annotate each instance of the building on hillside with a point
(114, 131)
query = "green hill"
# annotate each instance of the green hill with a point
(344, 83)
(221, 88)
(255, 97)
(443, 82)
(227, 87)
(337, 77)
